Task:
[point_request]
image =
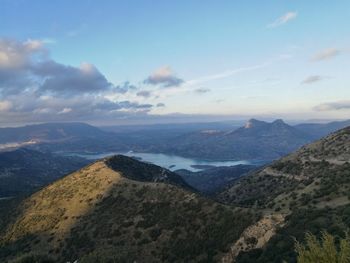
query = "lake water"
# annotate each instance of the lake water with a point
(171, 162)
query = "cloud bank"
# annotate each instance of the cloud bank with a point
(34, 88)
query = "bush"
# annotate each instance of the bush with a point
(324, 251)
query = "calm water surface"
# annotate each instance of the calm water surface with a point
(171, 162)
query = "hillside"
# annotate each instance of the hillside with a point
(309, 188)
(123, 210)
(24, 171)
(215, 178)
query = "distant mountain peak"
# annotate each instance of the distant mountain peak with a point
(279, 121)
(253, 123)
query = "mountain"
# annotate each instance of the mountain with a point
(307, 190)
(61, 137)
(23, 171)
(256, 140)
(213, 179)
(213, 141)
(121, 210)
(48, 132)
(319, 130)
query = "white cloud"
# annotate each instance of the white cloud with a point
(15, 54)
(164, 76)
(224, 74)
(65, 110)
(5, 105)
(33, 87)
(283, 19)
(201, 90)
(332, 106)
(326, 54)
(312, 79)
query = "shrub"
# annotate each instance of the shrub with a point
(324, 251)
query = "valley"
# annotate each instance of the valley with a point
(89, 206)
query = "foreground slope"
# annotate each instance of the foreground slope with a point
(309, 188)
(123, 210)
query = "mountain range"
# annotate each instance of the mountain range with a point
(255, 140)
(119, 209)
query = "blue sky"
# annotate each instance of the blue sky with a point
(158, 60)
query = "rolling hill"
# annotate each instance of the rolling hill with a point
(121, 210)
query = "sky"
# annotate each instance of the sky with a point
(129, 62)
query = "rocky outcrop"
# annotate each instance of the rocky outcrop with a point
(255, 236)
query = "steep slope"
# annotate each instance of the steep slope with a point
(24, 171)
(310, 188)
(256, 140)
(123, 210)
